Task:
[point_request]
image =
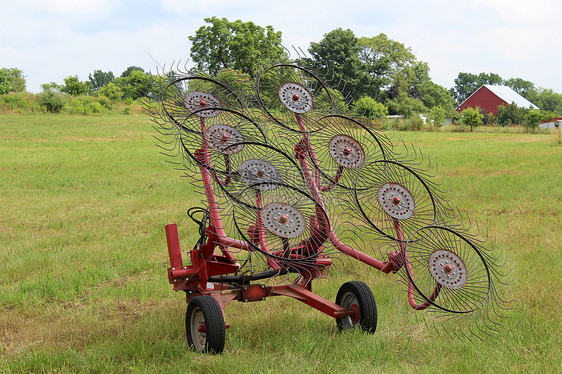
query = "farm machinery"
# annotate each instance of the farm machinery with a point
(292, 181)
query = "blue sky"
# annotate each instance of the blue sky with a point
(52, 39)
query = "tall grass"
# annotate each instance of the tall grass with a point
(83, 286)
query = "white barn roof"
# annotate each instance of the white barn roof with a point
(508, 95)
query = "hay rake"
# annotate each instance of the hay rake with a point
(291, 182)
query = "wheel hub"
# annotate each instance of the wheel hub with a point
(396, 200)
(295, 97)
(259, 174)
(347, 151)
(356, 313)
(283, 220)
(224, 139)
(196, 101)
(448, 269)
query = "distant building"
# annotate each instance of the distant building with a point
(489, 98)
(552, 124)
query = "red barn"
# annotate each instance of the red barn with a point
(489, 98)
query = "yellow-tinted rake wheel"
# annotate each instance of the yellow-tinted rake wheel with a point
(204, 325)
(358, 297)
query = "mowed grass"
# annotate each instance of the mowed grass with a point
(83, 256)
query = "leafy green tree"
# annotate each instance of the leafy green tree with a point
(433, 95)
(383, 59)
(111, 91)
(51, 87)
(130, 70)
(100, 79)
(456, 118)
(510, 115)
(406, 106)
(369, 108)
(502, 117)
(236, 80)
(420, 69)
(236, 45)
(74, 86)
(548, 116)
(436, 115)
(547, 99)
(11, 80)
(135, 85)
(338, 100)
(337, 53)
(532, 119)
(472, 117)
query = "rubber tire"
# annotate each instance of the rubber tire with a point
(214, 337)
(358, 293)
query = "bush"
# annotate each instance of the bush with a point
(20, 102)
(112, 92)
(105, 101)
(85, 105)
(96, 108)
(406, 124)
(510, 115)
(532, 119)
(367, 107)
(52, 101)
(487, 118)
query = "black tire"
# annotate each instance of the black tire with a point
(205, 311)
(357, 295)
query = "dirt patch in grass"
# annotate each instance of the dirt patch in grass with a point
(75, 325)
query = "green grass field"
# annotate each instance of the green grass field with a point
(83, 256)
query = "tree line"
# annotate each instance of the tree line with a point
(101, 92)
(380, 75)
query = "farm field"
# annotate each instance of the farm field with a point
(83, 256)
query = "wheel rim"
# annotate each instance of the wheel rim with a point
(197, 327)
(197, 101)
(283, 220)
(349, 302)
(346, 151)
(295, 97)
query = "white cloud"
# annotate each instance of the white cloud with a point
(523, 12)
(73, 7)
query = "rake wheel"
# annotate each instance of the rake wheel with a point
(283, 223)
(343, 147)
(257, 166)
(185, 101)
(295, 97)
(447, 270)
(260, 174)
(288, 91)
(396, 196)
(221, 137)
(224, 139)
